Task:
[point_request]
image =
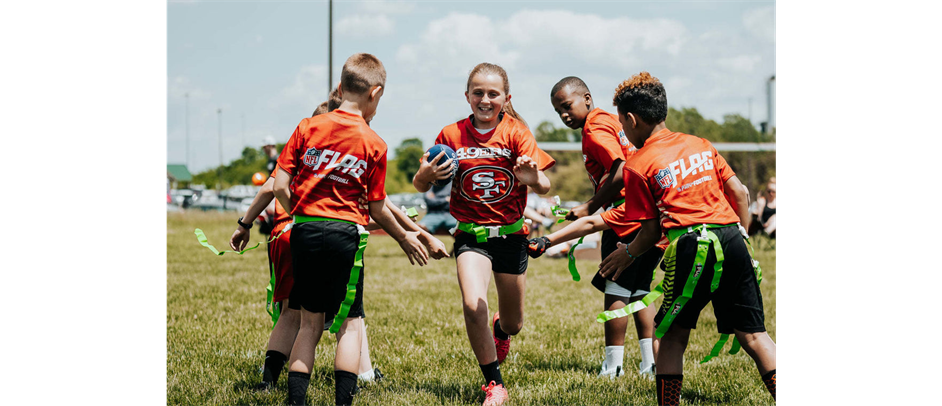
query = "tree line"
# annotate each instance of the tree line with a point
(568, 176)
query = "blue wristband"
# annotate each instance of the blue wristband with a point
(629, 254)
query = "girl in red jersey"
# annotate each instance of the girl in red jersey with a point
(681, 184)
(497, 160)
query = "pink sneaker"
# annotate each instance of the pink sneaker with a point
(496, 394)
(503, 346)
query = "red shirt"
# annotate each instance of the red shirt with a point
(486, 191)
(679, 178)
(337, 164)
(602, 140)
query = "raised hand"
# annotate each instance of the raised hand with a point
(526, 170)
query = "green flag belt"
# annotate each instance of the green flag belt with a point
(274, 309)
(559, 212)
(204, 242)
(482, 233)
(572, 258)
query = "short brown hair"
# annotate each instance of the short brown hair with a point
(361, 72)
(321, 109)
(334, 100)
(644, 96)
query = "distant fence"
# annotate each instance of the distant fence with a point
(720, 146)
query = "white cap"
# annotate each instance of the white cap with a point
(269, 140)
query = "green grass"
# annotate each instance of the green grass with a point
(217, 331)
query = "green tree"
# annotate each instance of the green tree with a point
(547, 132)
(408, 155)
(689, 121)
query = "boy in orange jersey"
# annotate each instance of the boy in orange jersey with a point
(603, 150)
(679, 182)
(338, 167)
(279, 261)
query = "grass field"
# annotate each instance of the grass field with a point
(217, 331)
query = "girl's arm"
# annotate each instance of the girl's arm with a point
(527, 172)
(431, 171)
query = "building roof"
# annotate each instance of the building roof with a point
(179, 173)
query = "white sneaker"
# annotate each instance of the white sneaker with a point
(648, 372)
(610, 373)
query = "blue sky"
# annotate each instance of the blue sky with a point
(265, 63)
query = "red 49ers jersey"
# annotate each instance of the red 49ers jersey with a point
(485, 189)
(680, 179)
(338, 165)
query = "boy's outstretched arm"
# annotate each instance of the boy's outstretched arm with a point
(436, 248)
(579, 228)
(408, 240)
(240, 238)
(611, 185)
(738, 197)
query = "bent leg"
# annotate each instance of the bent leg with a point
(760, 347)
(305, 345)
(510, 294)
(474, 275)
(670, 355)
(285, 331)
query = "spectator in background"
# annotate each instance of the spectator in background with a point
(437, 218)
(267, 219)
(271, 151)
(763, 213)
(538, 209)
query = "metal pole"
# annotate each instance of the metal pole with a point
(243, 130)
(187, 115)
(330, 46)
(219, 171)
(768, 93)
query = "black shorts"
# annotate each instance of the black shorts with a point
(638, 276)
(508, 254)
(322, 255)
(737, 302)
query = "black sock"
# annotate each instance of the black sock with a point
(769, 380)
(297, 387)
(492, 373)
(274, 363)
(346, 386)
(498, 332)
(668, 389)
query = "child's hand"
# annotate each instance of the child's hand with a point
(615, 263)
(414, 248)
(431, 171)
(436, 248)
(240, 238)
(526, 171)
(538, 246)
(578, 212)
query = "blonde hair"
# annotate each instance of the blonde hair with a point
(488, 68)
(361, 72)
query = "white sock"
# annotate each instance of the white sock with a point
(647, 353)
(614, 355)
(367, 376)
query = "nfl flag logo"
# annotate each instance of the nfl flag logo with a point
(664, 178)
(310, 157)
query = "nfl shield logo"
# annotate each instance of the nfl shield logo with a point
(310, 157)
(664, 178)
(622, 139)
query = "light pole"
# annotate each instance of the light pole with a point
(187, 125)
(243, 130)
(219, 171)
(768, 93)
(330, 46)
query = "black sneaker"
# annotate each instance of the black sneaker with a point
(263, 386)
(377, 376)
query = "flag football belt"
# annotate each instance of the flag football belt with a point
(274, 309)
(572, 259)
(482, 233)
(354, 272)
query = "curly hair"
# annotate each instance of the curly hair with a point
(644, 96)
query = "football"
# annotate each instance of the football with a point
(258, 179)
(449, 154)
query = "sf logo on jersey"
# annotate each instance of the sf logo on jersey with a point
(487, 184)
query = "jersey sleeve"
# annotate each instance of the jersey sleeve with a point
(376, 178)
(288, 160)
(527, 146)
(602, 145)
(639, 203)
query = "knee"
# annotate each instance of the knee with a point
(510, 327)
(475, 310)
(676, 337)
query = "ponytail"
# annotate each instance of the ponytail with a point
(509, 109)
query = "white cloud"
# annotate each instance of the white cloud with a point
(364, 26)
(760, 22)
(308, 88)
(452, 45)
(741, 63)
(387, 7)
